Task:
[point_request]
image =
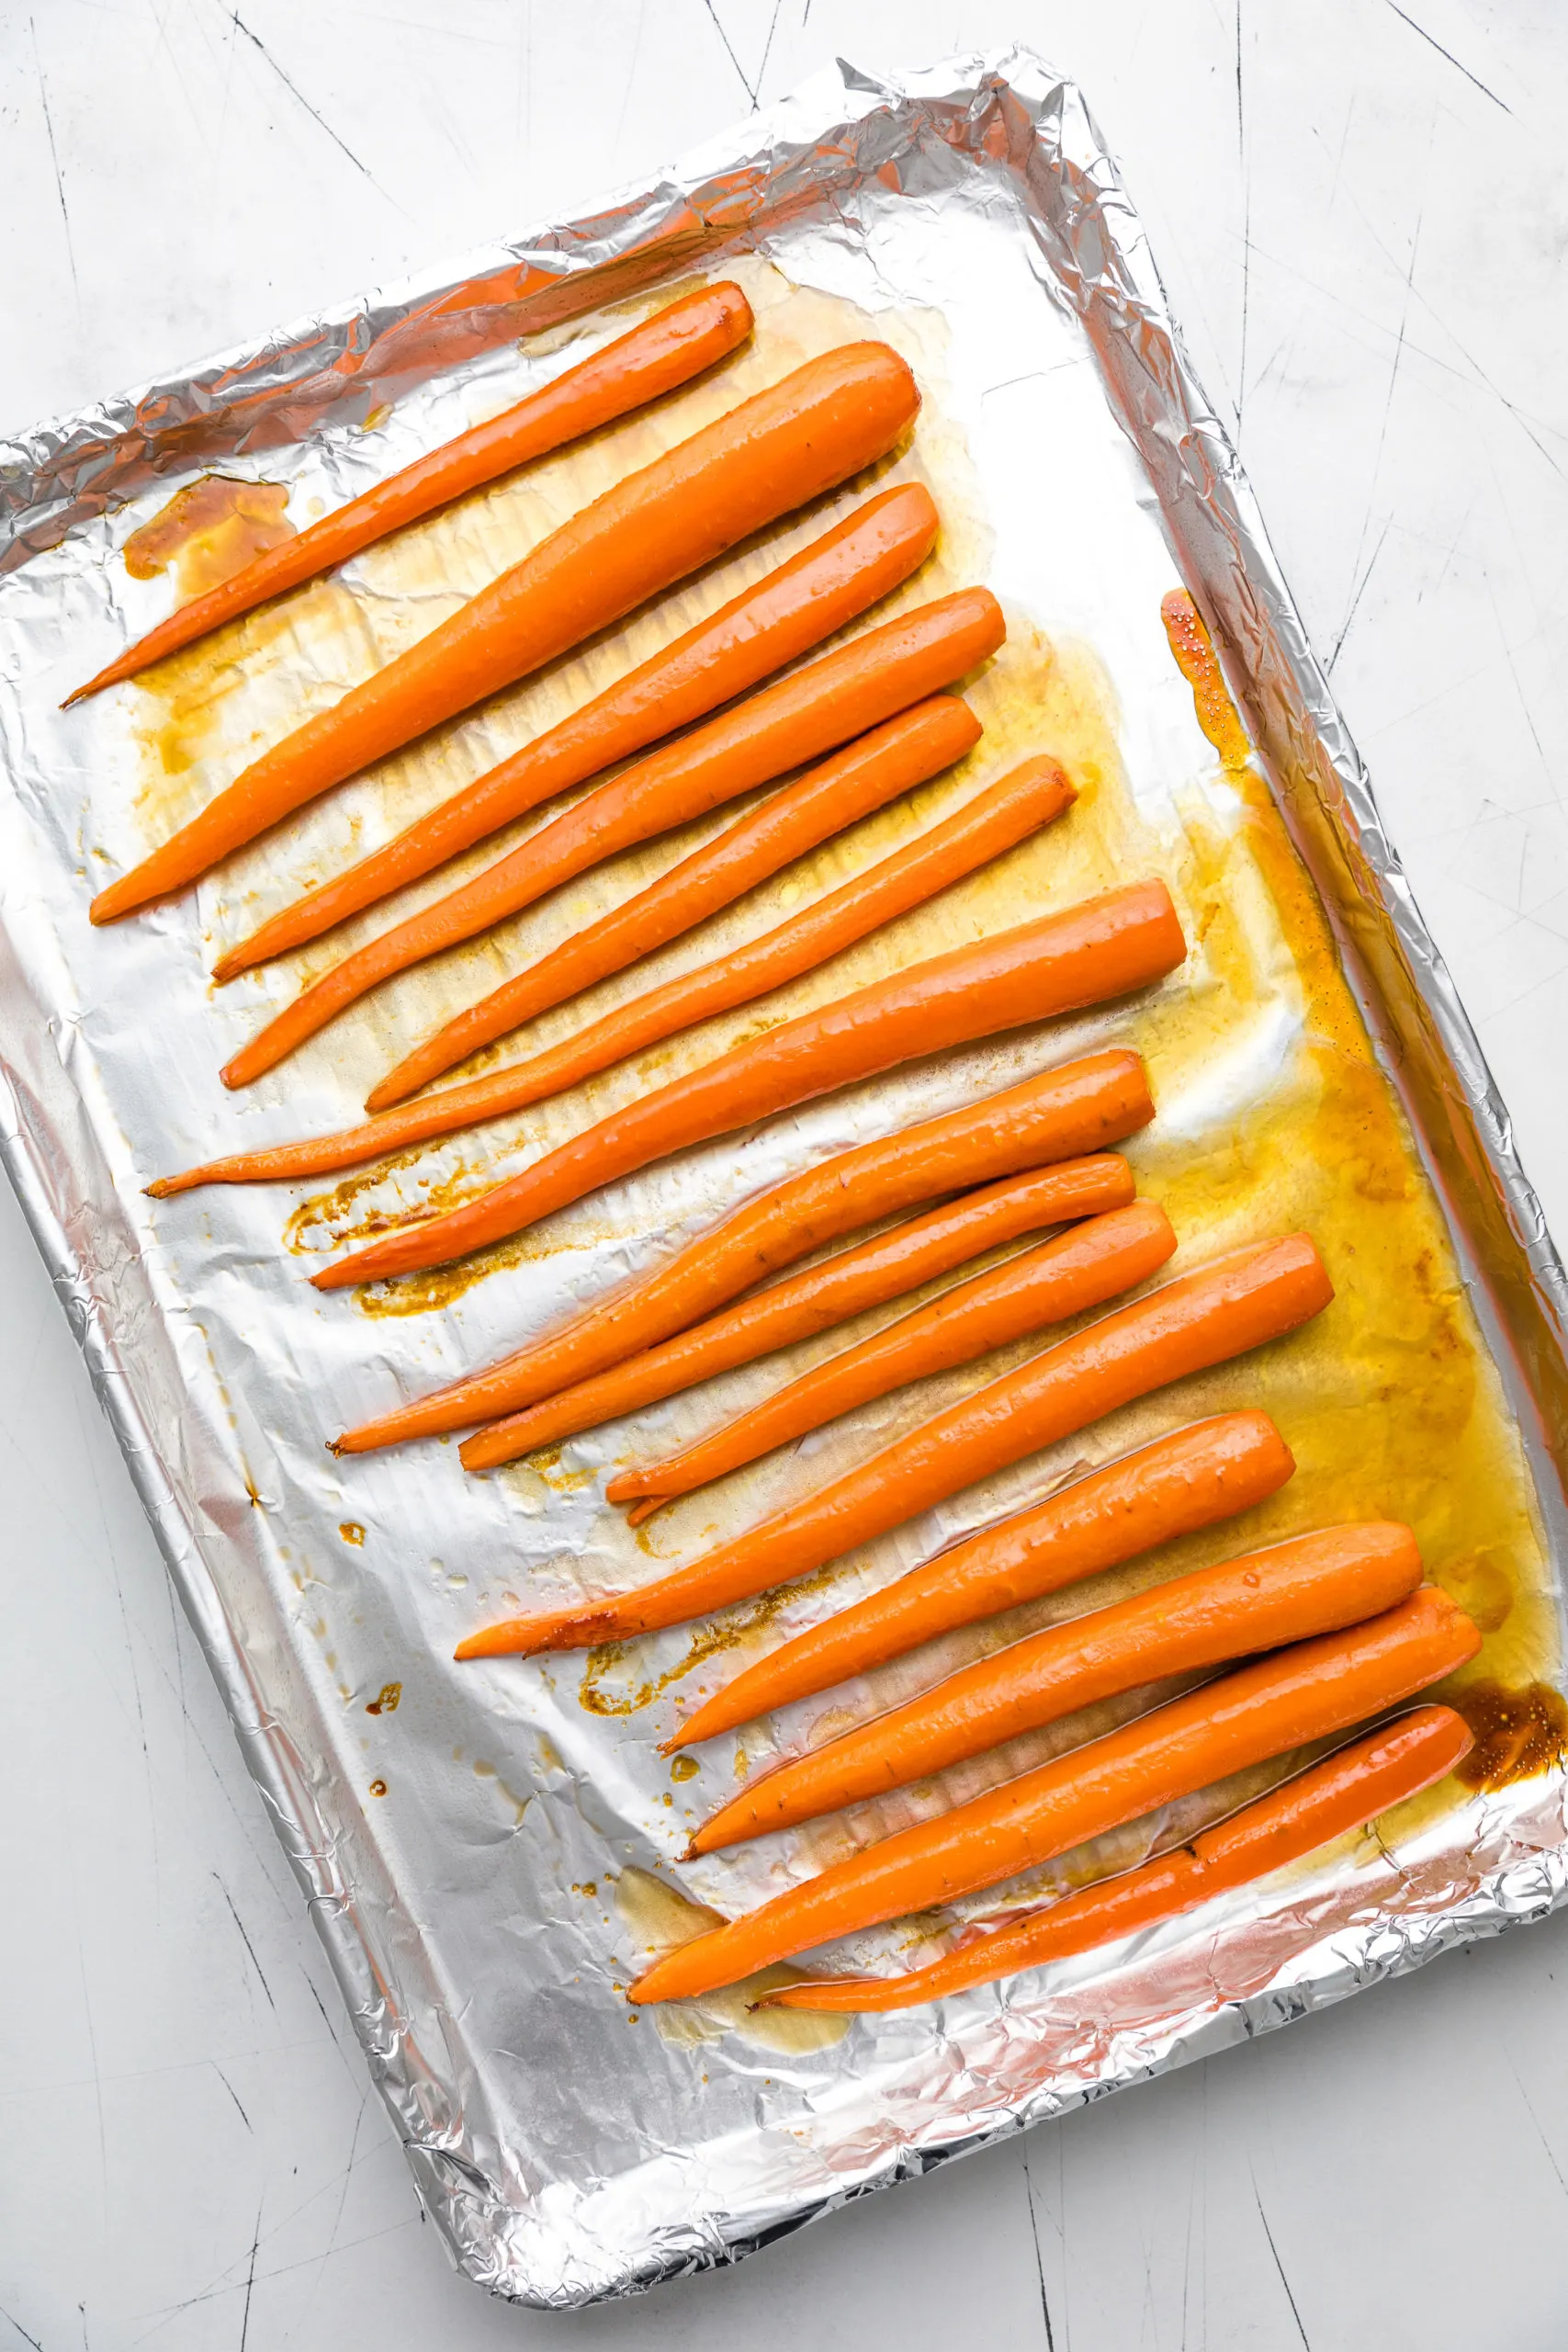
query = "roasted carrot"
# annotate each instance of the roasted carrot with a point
(771, 453)
(983, 829)
(809, 1303)
(833, 700)
(1236, 1302)
(1344, 1792)
(1189, 1480)
(1311, 1584)
(1089, 953)
(1095, 1261)
(656, 358)
(790, 610)
(1057, 1116)
(1306, 1692)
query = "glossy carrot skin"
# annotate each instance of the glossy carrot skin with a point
(1344, 1792)
(1311, 1584)
(1061, 1115)
(1088, 954)
(771, 454)
(1202, 1319)
(816, 708)
(1306, 1692)
(789, 611)
(1190, 1479)
(656, 358)
(1078, 1269)
(804, 1305)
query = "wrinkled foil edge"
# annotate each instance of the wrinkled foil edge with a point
(1006, 112)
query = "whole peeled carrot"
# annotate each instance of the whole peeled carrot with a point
(771, 453)
(1095, 1261)
(1202, 1319)
(808, 1302)
(1057, 1116)
(1103, 948)
(804, 715)
(791, 609)
(1312, 1584)
(1344, 1792)
(1308, 1691)
(664, 352)
(1190, 1479)
(984, 828)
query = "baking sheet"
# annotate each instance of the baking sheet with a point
(481, 1912)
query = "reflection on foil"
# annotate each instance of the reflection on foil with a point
(490, 1852)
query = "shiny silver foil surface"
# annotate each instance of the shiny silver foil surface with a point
(474, 1912)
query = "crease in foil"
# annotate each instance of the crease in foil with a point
(566, 2153)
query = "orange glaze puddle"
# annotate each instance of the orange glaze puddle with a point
(209, 531)
(1518, 1733)
(1200, 666)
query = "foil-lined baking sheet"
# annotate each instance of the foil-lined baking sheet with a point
(488, 1853)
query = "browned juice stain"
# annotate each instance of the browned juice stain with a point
(352, 1533)
(388, 1700)
(377, 1788)
(1518, 1731)
(732, 1629)
(208, 532)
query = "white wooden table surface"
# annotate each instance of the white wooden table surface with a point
(1362, 211)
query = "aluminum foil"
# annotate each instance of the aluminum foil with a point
(485, 1856)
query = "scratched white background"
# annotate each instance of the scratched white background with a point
(1361, 210)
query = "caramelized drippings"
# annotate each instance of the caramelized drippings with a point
(209, 531)
(387, 1700)
(1200, 666)
(1519, 1731)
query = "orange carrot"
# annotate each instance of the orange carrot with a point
(790, 610)
(1311, 1584)
(1189, 1480)
(656, 358)
(812, 1302)
(1064, 1113)
(772, 454)
(1089, 953)
(1344, 1792)
(1306, 1692)
(984, 828)
(1236, 1302)
(836, 698)
(1061, 1278)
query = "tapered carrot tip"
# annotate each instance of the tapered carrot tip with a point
(512, 1638)
(522, 1636)
(646, 1508)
